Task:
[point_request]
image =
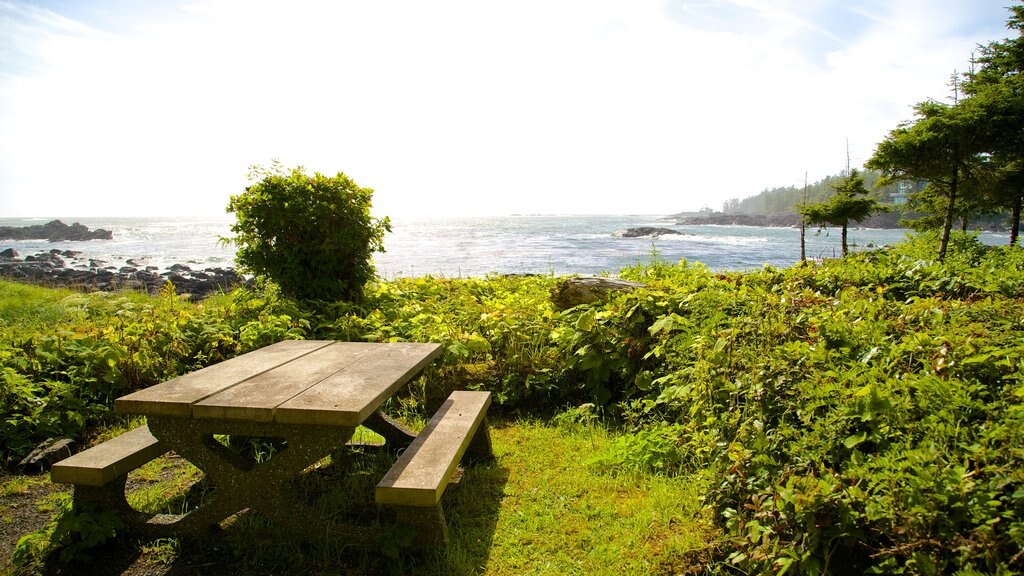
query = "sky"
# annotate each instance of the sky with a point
(461, 107)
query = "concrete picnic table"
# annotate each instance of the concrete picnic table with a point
(310, 394)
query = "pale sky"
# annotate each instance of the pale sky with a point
(452, 107)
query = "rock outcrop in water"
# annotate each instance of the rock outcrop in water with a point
(55, 231)
(644, 232)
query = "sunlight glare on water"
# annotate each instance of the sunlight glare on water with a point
(461, 247)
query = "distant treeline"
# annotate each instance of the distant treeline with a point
(783, 201)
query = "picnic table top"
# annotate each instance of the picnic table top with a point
(292, 382)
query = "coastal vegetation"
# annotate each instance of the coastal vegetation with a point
(850, 202)
(312, 235)
(968, 151)
(863, 415)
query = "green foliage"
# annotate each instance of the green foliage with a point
(995, 89)
(861, 415)
(69, 538)
(655, 449)
(858, 416)
(496, 332)
(942, 146)
(60, 378)
(313, 235)
(969, 151)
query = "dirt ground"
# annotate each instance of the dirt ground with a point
(20, 514)
(27, 505)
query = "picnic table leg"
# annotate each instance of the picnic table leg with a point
(109, 497)
(479, 449)
(428, 524)
(240, 484)
(395, 435)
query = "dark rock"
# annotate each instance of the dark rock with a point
(54, 231)
(137, 262)
(586, 289)
(179, 268)
(9, 254)
(49, 451)
(50, 269)
(47, 259)
(644, 232)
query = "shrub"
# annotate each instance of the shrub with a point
(312, 235)
(60, 378)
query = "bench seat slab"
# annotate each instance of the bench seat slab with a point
(105, 462)
(423, 471)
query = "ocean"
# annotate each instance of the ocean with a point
(477, 246)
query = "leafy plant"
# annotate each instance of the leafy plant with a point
(312, 235)
(69, 537)
(61, 379)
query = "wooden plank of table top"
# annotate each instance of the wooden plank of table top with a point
(175, 397)
(256, 398)
(348, 397)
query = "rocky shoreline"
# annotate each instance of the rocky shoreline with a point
(69, 269)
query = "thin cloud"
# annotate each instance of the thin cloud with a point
(24, 32)
(457, 106)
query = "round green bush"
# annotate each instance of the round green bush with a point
(312, 235)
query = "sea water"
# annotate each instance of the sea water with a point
(466, 246)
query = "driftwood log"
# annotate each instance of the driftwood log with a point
(586, 289)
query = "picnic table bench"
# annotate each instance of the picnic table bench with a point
(311, 395)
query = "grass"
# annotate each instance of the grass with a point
(20, 485)
(538, 508)
(558, 515)
(27, 306)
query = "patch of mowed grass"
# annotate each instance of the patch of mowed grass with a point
(560, 515)
(538, 508)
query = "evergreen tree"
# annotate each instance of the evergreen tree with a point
(941, 147)
(996, 90)
(851, 202)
